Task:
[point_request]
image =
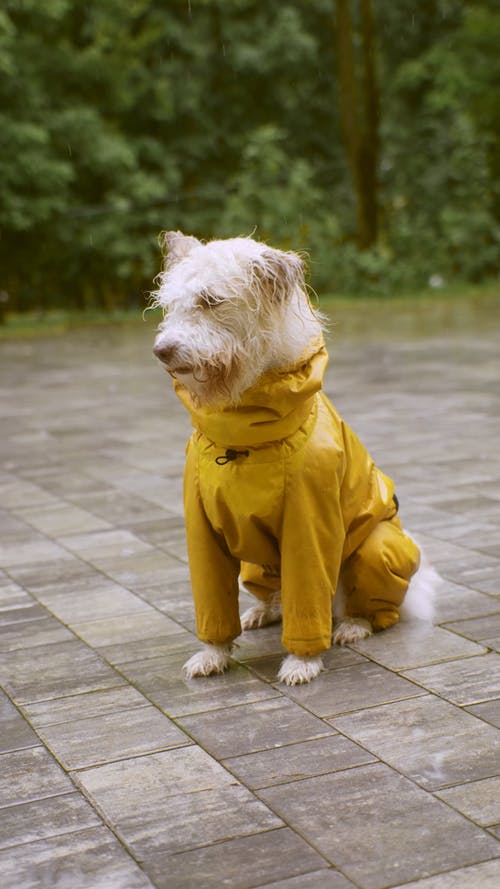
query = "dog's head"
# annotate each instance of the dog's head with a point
(234, 308)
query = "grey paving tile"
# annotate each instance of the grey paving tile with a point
(415, 644)
(172, 597)
(117, 630)
(134, 572)
(119, 507)
(16, 734)
(30, 549)
(352, 688)
(56, 711)
(489, 711)
(111, 543)
(62, 518)
(27, 775)
(99, 739)
(162, 680)
(88, 858)
(51, 671)
(467, 681)
(150, 781)
(45, 818)
(13, 598)
(479, 800)
(26, 609)
(30, 634)
(455, 601)
(195, 819)
(494, 643)
(203, 802)
(323, 879)
(150, 648)
(362, 819)
(431, 741)
(240, 863)
(160, 530)
(252, 727)
(97, 598)
(478, 876)
(59, 575)
(293, 762)
(478, 628)
(16, 492)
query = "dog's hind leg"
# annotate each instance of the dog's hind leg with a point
(262, 614)
(348, 630)
(351, 630)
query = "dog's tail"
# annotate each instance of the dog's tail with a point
(419, 600)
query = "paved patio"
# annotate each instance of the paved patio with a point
(118, 773)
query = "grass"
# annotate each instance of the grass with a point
(448, 300)
(55, 322)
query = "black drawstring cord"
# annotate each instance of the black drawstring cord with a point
(230, 455)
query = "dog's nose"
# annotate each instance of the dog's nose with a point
(164, 352)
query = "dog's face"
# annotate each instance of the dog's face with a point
(226, 304)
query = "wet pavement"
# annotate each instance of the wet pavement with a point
(117, 772)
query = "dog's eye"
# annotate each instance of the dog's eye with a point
(207, 300)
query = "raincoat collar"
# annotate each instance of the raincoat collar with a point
(273, 408)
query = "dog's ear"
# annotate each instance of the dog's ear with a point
(176, 246)
(278, 272)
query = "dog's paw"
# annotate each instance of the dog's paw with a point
(298, 670)
(212, 659)
(351, 630)
(260, 615)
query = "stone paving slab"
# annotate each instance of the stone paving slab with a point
(116, 772)
(92, 857)
(366, 820)
(431, 741)
(467, 681)
(244, 862)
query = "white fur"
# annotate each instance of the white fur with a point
(296, 670)
(234, 309)
(419, 600)
(262, 614)
(210, 660)
(351, 630)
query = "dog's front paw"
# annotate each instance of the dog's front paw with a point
(298, 670)
(260, 615)
(212, 659)
(351, 630)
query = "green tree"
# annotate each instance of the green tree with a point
(119, 118)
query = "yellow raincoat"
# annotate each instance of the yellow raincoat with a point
(279, 489)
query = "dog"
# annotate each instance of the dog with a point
(280, 496)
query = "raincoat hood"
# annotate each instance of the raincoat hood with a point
(271, 410)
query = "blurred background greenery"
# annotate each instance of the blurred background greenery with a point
(363, 131)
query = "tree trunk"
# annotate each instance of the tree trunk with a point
(359, 112)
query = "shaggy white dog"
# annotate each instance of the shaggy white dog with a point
(236, 310)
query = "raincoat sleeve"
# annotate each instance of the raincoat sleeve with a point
(312, 539)
(214, 572)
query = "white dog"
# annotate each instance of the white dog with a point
(279, 493)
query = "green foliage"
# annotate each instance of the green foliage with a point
(119, 118)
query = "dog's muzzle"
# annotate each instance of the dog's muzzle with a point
(170, 357)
